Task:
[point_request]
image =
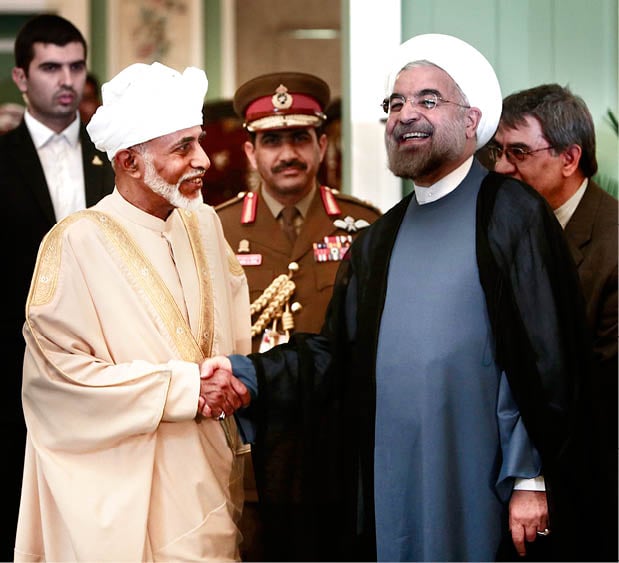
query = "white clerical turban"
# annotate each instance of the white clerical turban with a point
(469, 69)
(143, 102)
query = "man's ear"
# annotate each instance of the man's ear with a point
(250, 151)
(323, 142)
(128, 161)
(571, 159)
(21, 80)
(473, 117)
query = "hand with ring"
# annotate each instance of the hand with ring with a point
(528, 514)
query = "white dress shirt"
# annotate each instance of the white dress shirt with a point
(61, 158)
(564, 212)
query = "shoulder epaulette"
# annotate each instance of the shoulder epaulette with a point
(236, 199)
(352, 199)
(250, 205)
(329, 202)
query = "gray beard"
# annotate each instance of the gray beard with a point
(447, 145)
(171, 192)
(409, 164)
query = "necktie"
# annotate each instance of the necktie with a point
(289, 215)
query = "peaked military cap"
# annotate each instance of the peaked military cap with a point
(282, 100)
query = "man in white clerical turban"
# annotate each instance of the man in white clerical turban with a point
(468, 68)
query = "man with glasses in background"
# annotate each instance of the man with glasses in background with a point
(546, 138)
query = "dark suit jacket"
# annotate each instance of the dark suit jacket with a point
(592, 238)
(28, 214)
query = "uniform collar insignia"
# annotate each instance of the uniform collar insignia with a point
(243, 246)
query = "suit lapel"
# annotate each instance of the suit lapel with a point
(27, 160)
(94, 163)
(580, 226)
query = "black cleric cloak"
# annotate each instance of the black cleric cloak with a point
(314, 446)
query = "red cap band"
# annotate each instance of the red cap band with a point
(301, 103)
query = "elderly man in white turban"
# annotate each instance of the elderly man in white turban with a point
(439, 415)
(127, 300)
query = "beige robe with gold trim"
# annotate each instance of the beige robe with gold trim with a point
(117, 466)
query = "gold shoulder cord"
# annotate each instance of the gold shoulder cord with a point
(274, 304)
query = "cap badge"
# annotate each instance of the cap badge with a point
(281, 99)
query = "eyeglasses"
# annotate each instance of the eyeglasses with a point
(429, 101)
(512, 154)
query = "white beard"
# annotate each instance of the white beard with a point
(171, 192)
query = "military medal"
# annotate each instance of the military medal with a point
(332, 249)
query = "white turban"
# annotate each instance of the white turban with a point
(143, 102)
(468, 68)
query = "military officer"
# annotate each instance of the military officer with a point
(290, 261)
(294, 258)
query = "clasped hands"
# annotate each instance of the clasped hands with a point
(220, 392)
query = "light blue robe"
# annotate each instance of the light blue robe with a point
(439, 444)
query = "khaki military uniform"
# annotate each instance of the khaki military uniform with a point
(266, 253)
(331, 220)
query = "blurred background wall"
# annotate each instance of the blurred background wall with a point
(347, 43)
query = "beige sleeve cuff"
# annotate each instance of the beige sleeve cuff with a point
(183, 392)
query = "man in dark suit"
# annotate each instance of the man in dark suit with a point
(546, 138)
(48, 169)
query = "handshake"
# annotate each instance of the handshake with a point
(220, 392)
